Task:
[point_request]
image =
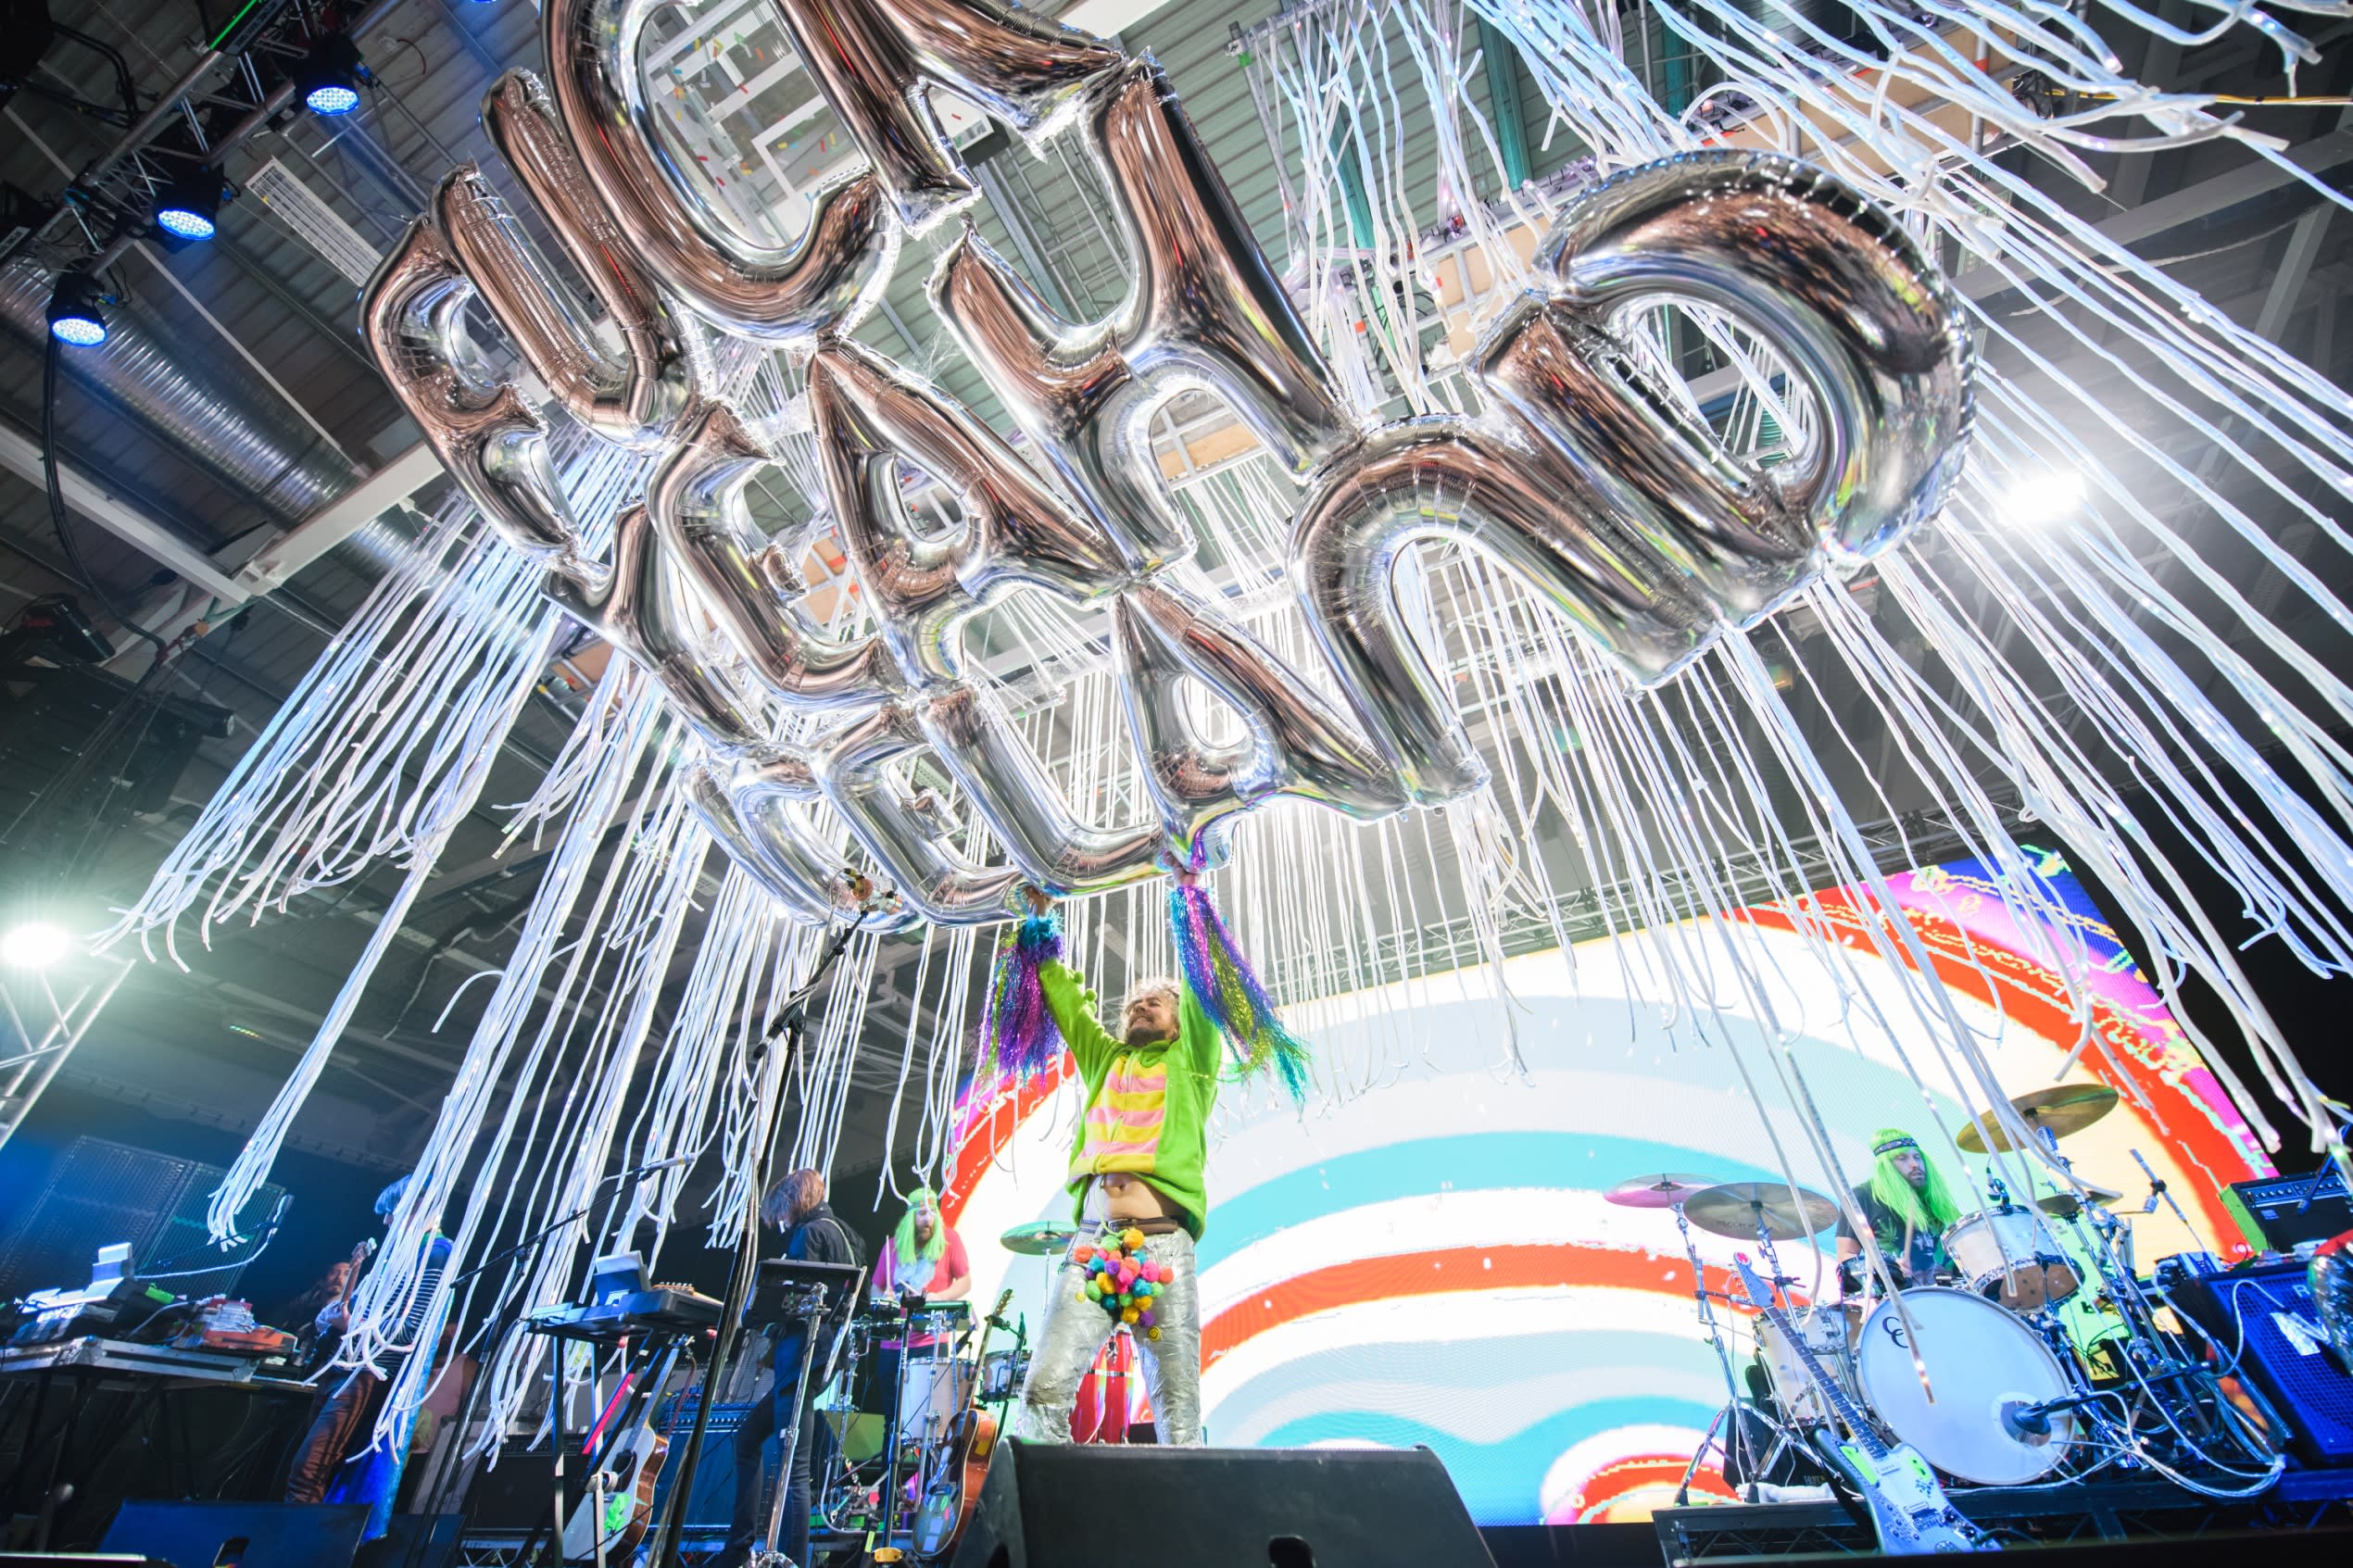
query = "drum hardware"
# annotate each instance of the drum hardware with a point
(1908, 1508)
(1739, 1419)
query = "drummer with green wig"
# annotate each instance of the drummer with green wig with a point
(924, 1256)
(1907, 1205)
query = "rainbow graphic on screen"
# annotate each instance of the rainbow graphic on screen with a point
(1432, 1263)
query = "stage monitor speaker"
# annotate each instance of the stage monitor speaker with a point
(240, 1535)
(1073, 1505)
(2264, 1314)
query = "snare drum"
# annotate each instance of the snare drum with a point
(2007, 1255)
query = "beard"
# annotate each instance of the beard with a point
(1147, 1034)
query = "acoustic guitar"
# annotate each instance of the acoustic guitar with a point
(949, 1501)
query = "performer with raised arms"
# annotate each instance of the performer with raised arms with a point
(1137, 1171)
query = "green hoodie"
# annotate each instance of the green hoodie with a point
(1147, 1106)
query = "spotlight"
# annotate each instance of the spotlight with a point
(188, 204)
(36, 943)
(329, 76)
(2036, 500)
(74, 313)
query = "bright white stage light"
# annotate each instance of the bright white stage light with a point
(2038, 500)
(36, 943)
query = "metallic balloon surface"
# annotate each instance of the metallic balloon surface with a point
(868, 414)
(696, 498)
(412, 317)
(904, 832)
(779, 294)
(1204, 310)
(1294, 742)
(1599, 487)
(635, 397)
(878, 61)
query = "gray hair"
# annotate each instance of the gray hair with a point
(1153, 985)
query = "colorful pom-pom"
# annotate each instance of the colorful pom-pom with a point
(1129, 1314)
(1132, 1239)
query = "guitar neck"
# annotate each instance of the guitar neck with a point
(1852, 1418)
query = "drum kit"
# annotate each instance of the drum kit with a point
(941, 1374)
(2027, 1357)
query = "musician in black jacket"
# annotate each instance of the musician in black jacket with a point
(796, 1205)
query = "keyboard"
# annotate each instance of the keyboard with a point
(664, 1309)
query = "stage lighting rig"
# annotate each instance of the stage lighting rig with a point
(188, 205)
(77, 314)
(330, 75)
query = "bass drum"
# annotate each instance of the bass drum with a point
(1985, 1366)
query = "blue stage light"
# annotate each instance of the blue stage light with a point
(74, 313)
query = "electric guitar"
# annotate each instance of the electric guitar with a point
(949, 1501)
(1908, 1507)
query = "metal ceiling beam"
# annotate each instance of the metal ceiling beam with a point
(330, 525)
(90, 497)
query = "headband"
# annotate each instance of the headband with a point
(1892, 1145)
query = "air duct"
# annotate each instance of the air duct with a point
(203, 406)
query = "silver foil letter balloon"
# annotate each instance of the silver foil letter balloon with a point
(1837, 289)
(876, 62)
(1443, 478)
(696, 498)
(785, 294)
(906, 833)
(1294, 742)
(1204, 310)
(868, 414)
(1609, 498)
(633, 397)
(412, 314)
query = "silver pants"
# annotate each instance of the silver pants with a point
(1076, 1329)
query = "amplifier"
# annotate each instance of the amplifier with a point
(2267, 1312)
(2273, 1215)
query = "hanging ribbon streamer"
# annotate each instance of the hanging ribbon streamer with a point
(1222, 981)
(1018, 1039)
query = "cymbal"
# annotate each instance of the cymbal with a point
(2060, 1109)
(1662, 1190)
(2065, 1206)
(1039, 1238)
(1735, 1208)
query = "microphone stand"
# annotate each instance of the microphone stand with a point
(789, 1024)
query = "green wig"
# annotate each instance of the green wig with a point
(902, 1240)
(1927, 1207)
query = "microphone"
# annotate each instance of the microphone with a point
(2025, 1421)
(662, 1165)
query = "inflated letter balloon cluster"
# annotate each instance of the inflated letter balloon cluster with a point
(1577, 477)
(1122, 1281)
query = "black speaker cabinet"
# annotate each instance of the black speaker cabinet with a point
(1074, 1506)
(249, 1534)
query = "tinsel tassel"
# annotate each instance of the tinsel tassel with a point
(1018, 1037)
(1221, 981)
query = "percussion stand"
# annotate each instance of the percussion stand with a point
(1737, 1437)
(811, 1310)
